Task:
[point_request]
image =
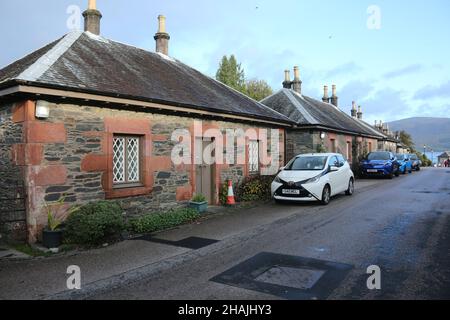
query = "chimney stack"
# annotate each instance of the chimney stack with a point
(354, 112)
(325, 98)
(334, 97)
(92, 18)
(360, 113)
(297, 83)
(162, 37)
(287, 84)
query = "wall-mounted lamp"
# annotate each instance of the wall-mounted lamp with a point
(42, 109)
(322, 135)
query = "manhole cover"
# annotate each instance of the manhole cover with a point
(190, 243)
(285, 276)
(291, 277)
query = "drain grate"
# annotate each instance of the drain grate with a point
(289, 277)
(190, 243)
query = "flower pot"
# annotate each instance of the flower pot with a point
(52, 239)
(199, 206)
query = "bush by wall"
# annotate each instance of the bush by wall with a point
(160, 221)
(94, 224)
(255, 188)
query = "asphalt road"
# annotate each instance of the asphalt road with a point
(400, 225)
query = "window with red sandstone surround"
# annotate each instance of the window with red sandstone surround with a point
(127, 161)
(253, 157)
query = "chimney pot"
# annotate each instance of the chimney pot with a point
(92, 18)
(162, 37)
(360, 113)
(92, 5)
(297, 83)
(325, 94)
(287, 84)
(334, 98)
(354, 111)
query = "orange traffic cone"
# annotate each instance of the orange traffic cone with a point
(230, 199)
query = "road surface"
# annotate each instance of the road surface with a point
(401, 225)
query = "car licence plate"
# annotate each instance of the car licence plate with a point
(372, 170)
(291, 191)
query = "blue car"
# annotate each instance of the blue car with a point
(405, 163)
(380, 163)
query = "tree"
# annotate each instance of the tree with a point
(406, 140)
(258, 89)
(230, 72)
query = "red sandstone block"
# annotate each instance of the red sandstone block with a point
(94, 163)
(127, 125)
(160, 137)
(184, 193)
(160, 163)
(43, 132)
(24, 111)
(27, 154)
(47, 176)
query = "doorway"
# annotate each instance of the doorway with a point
(204, 172)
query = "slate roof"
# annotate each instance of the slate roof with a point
(84, 62)
(306, 111)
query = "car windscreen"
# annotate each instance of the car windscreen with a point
(401, 157)
(378, 156)
(307, 163)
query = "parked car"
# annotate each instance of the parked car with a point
(405, 163)
(416, 163)
(314, 177)
(380, 163)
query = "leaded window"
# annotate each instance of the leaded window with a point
(126, 160)
(253, 157)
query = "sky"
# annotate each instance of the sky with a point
(391, 57)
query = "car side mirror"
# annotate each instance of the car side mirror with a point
(333, 169)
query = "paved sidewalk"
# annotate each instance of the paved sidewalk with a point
(43, 278)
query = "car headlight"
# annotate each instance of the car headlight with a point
(313, 180)
(277, 180)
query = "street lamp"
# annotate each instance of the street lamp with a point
(424, 149)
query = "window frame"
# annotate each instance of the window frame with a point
(127, 183)
(250, 164)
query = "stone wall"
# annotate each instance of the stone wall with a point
(12, 190)
(72, 156)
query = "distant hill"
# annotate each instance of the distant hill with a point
(432, 132)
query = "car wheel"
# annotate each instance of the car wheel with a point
(326, 195)
(390, 176)
(397, 172)
(351, 187)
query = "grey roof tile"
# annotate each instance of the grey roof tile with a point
(96, 64)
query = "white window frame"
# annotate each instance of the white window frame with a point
(127, 173)
(253, 163)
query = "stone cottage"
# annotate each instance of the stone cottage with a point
(320, 125)
(93, 119)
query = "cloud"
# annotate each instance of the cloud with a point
(442, 91)
(355, 91)
(349, 67)
(403, 71)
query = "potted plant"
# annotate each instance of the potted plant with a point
(56, 214)
(199, 203)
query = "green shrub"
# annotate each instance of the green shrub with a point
(160, 221)
(199, 198)
(255, 188)
(94, 224)
(223, 193)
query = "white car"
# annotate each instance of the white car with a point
(314, 177)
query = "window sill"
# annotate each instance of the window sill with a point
(127, 191)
